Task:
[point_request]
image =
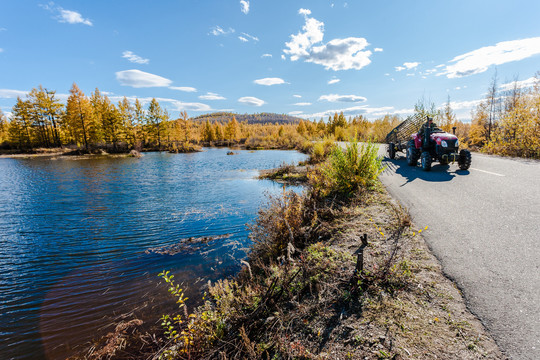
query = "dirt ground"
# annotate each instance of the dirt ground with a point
(426, 319)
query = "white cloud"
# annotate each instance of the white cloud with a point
(302, 104)
(73, 17)
(1, 50)
(252, 101)
(283, 57)
(139, 79)
(266, 55)
(66, 16)
(246, 37)
(218, 30)
(342, 98)
(134, 58)
(337, 54)
(294, 113)
(407, 66)
(297, 96)
(378, 49)
(269, 81)
(211, 96)
(334, 81)
(478, 61)
(530, 82)
(12, 94)
(185, 106)
(359, 110)
(244, 6)
(2, 29)
(183, 88)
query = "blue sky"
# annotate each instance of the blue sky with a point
(305, 58)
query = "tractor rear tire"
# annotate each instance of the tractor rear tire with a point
(426, 161)
(392, 151)
(464, 161)
(412, 158)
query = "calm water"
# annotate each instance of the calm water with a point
(75, 235)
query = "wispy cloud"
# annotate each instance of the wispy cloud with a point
(246, 37)
(1, 50)
(66, 16)
(530, 82)
(12, 94)
(333, 81)
(360, 110)
(407, 66)
(297, 96)
(378, 49)
(211, 96)
(266, 55)
(302, 104)
(218, 30)
(294, 113)
(337, 54)
(183, 88)
(244, 6)
(134, 58)
(478, 61)
(140, 79)
(252, 101)
(342, 98)
(269, 81)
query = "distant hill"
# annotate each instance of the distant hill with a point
(262, 118)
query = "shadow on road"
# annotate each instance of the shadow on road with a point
(438, 173)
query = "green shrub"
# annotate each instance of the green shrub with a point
(348, 170)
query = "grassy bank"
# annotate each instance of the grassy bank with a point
(304, 294)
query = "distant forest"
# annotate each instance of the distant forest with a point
(261, 118)
(506, 122)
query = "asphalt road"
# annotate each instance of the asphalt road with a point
(484, 227)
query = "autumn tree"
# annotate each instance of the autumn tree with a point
(3, 128)
(79, 116)
(154, 116)
(208, 132)
(447, 117)
(231, 130)
(218, 131)
(128, 120)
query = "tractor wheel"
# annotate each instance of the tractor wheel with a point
(392, 151)
(426, 161)
(464, 160)
(412, 159)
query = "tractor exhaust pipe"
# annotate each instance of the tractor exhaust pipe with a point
(454, 130)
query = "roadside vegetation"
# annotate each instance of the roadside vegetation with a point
(303, 292)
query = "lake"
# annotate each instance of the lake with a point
(82, 240)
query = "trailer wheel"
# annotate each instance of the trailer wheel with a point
(392, 151)
(464, 161)
(426, 161)
(412, 158)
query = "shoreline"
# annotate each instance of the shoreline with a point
(399, 306)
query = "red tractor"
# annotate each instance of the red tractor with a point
(427, 144)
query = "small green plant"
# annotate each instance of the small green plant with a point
(348, 170)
